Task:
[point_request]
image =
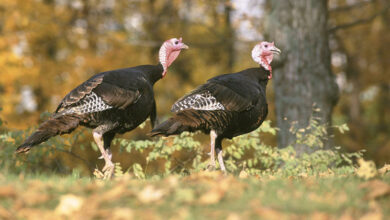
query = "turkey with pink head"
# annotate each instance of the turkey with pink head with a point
(225, 106)
(111, 102)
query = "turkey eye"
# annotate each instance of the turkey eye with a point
(176, 42)
(266, 46)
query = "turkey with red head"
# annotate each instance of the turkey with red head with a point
(110, 102)
(225, 106)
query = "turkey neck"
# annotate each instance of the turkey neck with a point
(259, 75)
(155, 74)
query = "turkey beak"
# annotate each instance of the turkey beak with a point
(183, 46)
(276, 50)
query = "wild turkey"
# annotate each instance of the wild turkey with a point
(225, 106)
(110, 102)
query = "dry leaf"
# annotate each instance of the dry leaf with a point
(122, 214)
(233, 216)
(376, 188)
(34, 197)
(173, 181)
(367, 169)
(150, 194)
(346, 216)
(372, 216)
(4, 213)
(303, 175)
(114, 193)
(268, 213)
(211, 197)
(34, 214)
(7, 191)
(385, 169)
(69, 204)
(319, 216)
(243, 174)
(181, 213)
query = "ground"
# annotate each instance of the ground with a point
(202, 195)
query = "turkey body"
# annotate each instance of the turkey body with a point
(128, 94)
(225, 106)
(230, 104)
(110, 102)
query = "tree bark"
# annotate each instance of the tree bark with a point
(304, 80)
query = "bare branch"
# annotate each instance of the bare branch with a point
(359, 21)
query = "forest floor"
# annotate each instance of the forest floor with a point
(203, 195)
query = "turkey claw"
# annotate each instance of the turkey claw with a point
(108, 171)
(211, 167)
(98, 174)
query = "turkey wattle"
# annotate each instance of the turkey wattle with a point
(110, 102)
(225, 106)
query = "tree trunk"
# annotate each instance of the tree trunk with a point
(304, 80)
(229, 36)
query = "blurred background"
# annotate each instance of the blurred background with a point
(48, 47)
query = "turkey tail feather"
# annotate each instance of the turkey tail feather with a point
(53, 126)
(192, 120)
(169, 127)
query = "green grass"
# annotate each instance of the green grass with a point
(197, 196)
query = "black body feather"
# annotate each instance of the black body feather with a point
(111, 102)
(238, 106)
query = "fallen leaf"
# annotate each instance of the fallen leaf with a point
(213, 196)
(4, 213)
(114, 193)
(243, 174)
(150, 194)
(303, 175)
(69, 204)
(233, 216)
(173, 181)
(33, 197)
(268, 213)
(385, 169)
(7, 191)
(376, 188)
(34, 214)
(122, 213)
(180, 213)
(346, 216)
(367, 169)
(372, 216)
(319, 216)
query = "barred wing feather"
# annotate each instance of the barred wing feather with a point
(213, 96)
(92, 97)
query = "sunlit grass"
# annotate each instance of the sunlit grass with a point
(199, 195)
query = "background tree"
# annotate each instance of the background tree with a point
(304, 80)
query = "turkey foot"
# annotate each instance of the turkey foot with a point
(108, 171)
(211, 166)
(98, 174)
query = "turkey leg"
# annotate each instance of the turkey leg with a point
(108, 168)
(213, 136)
(220, 160)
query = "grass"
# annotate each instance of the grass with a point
(200, 195)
